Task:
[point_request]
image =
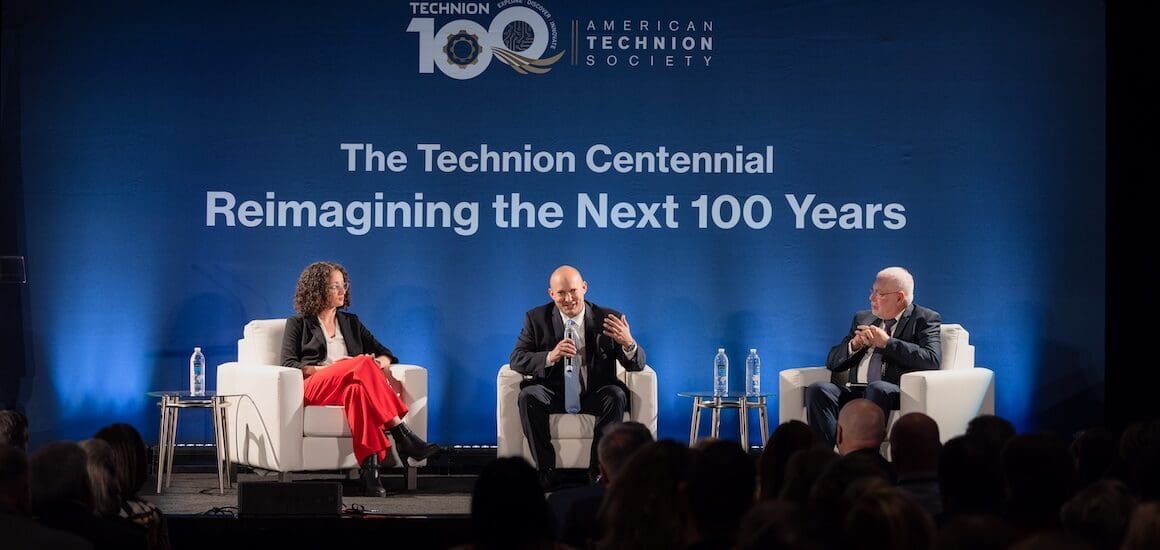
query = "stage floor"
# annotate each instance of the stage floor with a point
(443, 495)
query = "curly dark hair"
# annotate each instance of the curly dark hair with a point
(310, 296)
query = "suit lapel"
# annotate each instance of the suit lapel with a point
(353, 346)
(900, 332)
(591, 335)
(316, 333)
(557, 326)
(904, 323)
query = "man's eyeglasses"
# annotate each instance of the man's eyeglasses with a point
(881, 295)
(338, 287)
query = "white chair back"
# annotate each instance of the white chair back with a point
(957, 352)
(261, 342)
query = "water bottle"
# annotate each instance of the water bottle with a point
(720, 373)
(752, 373)
(197, 372)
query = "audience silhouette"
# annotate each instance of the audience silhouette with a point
(990, 488)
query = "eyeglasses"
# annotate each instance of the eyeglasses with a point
(338, 287)
(881, 295)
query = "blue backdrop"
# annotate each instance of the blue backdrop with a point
(179, 165)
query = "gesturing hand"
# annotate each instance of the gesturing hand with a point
(617, 329)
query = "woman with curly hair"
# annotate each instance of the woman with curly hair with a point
(343, 364)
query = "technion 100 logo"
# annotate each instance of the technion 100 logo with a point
(519, 35)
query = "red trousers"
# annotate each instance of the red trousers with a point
(361, 388)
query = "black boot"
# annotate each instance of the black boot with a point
(410, 445)
(548, 479)
(370, 477)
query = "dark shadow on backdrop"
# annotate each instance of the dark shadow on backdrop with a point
(13, 365)
(1070, 390)
(1130, 295)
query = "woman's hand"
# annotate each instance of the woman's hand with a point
(383, 361)
(385, 365)
(311, 369)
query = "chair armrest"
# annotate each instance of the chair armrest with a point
(642, 396)
(414, 379)
(509, 434)
(264, 415)
(950, 397)
(791, 391)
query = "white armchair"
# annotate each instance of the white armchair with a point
(270, 427)
(571, 433)
(952, 395)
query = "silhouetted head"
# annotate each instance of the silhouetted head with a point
(508, 509)
(914, 443)
(861, 425)
(786, 439)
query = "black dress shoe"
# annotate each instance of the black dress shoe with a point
(369, 476)
(548, 480)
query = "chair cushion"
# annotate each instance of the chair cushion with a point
(325, 421)
(571, 426)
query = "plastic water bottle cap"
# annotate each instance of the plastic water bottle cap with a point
(720, 350)
(752, 350)
(198, 348)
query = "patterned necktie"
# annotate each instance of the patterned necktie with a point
(874, 370)
(571, 377)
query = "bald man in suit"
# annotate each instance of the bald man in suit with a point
(603, 338)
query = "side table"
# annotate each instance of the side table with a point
(171, 402)
(715, 403)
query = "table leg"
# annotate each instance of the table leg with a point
(228, 462)
(172, 443)
(695, 423)
(162, 437)
(764, 422)
(716, 428)
(215, 413)
(743, 418)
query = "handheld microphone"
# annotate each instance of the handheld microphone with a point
(569, 333)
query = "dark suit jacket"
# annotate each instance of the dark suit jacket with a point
(544, 328)
(873, 455)
(304, 342)
(915, 345)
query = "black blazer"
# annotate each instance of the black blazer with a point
(304, 342)
(915, 346)
(544, 328)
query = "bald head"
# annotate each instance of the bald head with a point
(564, 272)
(914, 443)
(566, 288)
(861, 425)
